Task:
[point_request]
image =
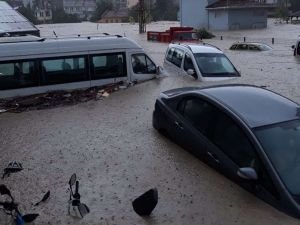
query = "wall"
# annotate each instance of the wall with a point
(218, 19)
(193, 13)
(247, 18)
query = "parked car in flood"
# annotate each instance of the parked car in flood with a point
(249, 134)
(250, 46)
(203, 62)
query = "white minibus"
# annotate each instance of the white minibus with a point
(36, 65)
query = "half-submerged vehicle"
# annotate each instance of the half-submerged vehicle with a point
(36, 65)
(250, 134)
(204, 62)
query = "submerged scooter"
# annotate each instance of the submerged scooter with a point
(74, 199)
(11, 208)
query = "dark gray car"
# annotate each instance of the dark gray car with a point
(250, 134)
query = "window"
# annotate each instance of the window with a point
(298, 49)
(198, 113)
(108, 65)
(215, 65)
(242, 47)
(142, 64)
(64, 70)
(188, 63)
(175, 56)
(18, 74)
(253, 48)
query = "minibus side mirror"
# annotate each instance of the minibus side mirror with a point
(158, 70)
(293, 46)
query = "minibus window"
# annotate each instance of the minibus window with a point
(142, 64)
(18, 74)
(63, 70)
(108, 65)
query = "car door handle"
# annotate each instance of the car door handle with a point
(213, 157)
(179, 125)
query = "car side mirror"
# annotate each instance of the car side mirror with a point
(190, 72)
(293, 46)
(247, 173)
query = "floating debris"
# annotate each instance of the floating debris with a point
(57, 98)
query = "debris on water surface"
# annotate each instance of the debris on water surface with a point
(56, 98)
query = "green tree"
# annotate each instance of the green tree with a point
(59, 16)
(295, 5)
(28, 13)
(102, 6)
(164, 10)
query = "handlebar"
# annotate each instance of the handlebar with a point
(9, 206)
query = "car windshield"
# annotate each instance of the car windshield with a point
(281, 143)
(215, 65)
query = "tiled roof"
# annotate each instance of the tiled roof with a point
(116, 13)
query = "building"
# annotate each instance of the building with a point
(84, 9)
(120, 4)
(115, 16)
(224, 14)
(13, 23)
(43, 10)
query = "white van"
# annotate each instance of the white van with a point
(36, 65)
(203, 62)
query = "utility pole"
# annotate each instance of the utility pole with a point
(142, 17)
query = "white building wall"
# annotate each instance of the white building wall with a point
(193, 13)
(218, 20)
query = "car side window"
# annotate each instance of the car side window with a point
(242, 47)
(175, 56)
(199, 113)
(232, 140)
(188, 63)
(222, 131)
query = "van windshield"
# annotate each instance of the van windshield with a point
(215, 65)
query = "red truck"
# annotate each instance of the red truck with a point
(174, 34)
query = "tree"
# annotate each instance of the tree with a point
(102, 6)
(295, 5)
(164, 10)
(59, 16)
(28, 13)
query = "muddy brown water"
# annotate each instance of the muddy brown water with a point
(117, 155)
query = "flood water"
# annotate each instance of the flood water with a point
(116, 153)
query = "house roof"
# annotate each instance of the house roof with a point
(296, 14)
(221, 4)
(13, 22)
(121, 13)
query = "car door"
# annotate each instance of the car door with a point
(142, 67)
(191, 125)
(234, 149)
(189, 65)
(173, 61)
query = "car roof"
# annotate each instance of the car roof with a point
(256, 106)
(250, 43)
(198, 48)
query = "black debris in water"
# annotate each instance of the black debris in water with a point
(56, 98)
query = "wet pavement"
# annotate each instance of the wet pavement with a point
(117, 155)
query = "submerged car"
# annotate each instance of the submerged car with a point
(201, 61)
(250, 46)
(248, 133)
